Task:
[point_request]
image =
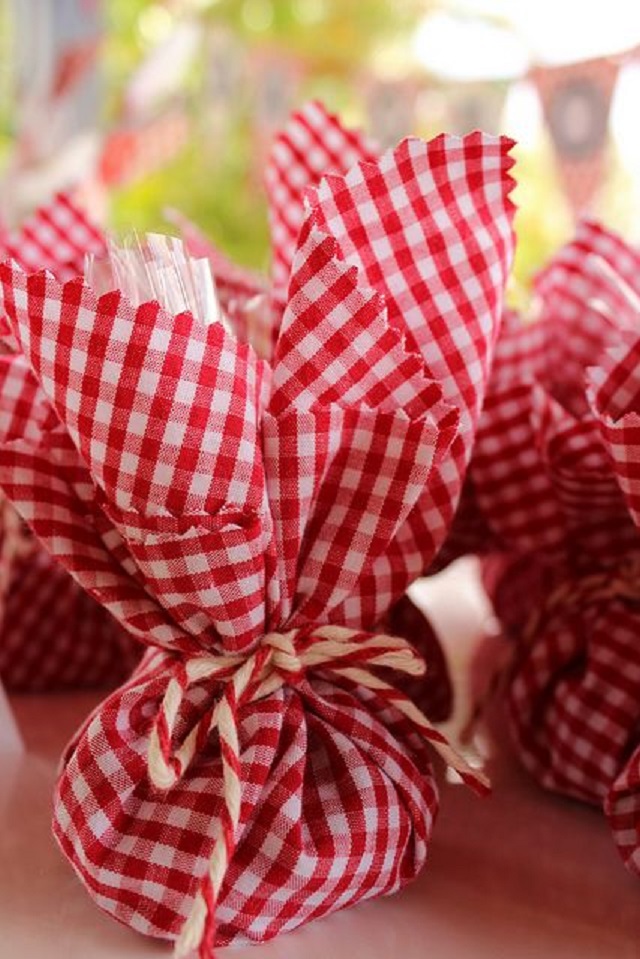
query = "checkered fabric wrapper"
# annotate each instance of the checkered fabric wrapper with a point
(313, 143)
(56, 237)
(52, 634)
(554, 489)
(253, 524)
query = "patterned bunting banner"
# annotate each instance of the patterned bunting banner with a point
(391, 108)
(576, 100)
(134, 150)
(476, 106)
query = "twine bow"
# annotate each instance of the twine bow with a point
(621, 582)
(280, 659)
(570, 596)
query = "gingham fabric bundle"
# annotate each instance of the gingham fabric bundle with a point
(253, 524)
(614, 394)
(553, 488)
(52, 634)
(56, 237)
(314, 142)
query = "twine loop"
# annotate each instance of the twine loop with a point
(15, 544)
(571, 595)
(280, 659)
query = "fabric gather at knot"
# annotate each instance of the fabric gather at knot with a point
(280, 659)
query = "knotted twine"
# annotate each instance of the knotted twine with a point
(280, 659)
(570, 596)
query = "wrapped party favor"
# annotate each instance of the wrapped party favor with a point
(53, 636)
(252, 523)
(314, 142)
(552, 492)
(614, 394)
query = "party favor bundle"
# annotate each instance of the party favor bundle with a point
(314, 142)
(552, 487)
(252, 524)
(52, 634)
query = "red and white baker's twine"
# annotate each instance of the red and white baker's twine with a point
(280, 659)
(622, 582)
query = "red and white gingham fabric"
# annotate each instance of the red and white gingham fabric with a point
(313, 143)
(52, 635)
(614, 393)
(207, 499)
(554, 486)
(621, 806)
(442, 292)
(56, 237)
(442, 277)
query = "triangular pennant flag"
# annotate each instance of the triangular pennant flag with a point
(391, 108)
(476, 106)
(576, 100)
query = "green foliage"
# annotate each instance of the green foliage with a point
(209, 188)
(330, 35)
(543, 220)
(218, 184)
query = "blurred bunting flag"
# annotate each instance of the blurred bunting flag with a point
(133, 150)
(576, 100)
(391, 108)
(476, 106)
